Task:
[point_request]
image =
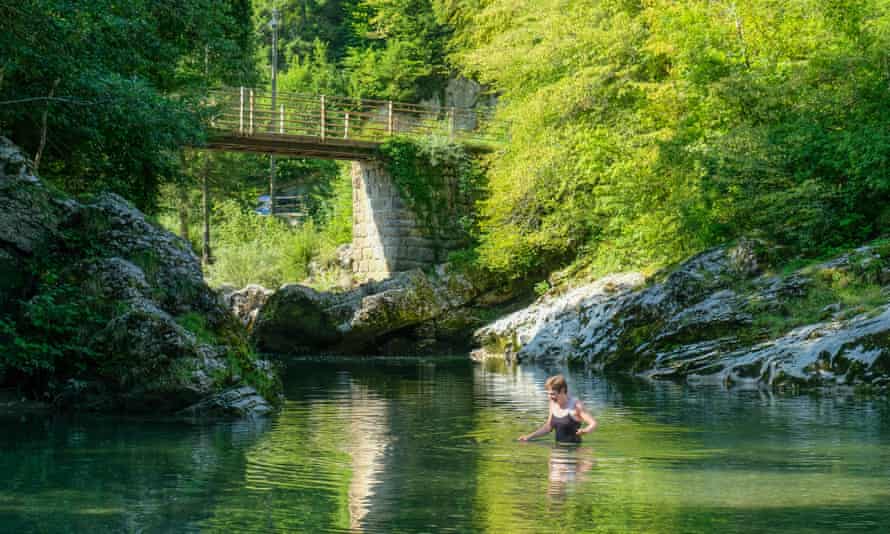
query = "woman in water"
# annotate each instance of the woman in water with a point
(566, 414)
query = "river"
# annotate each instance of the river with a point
(409, 445)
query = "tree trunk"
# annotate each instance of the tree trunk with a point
(206, 256)
(273, 205)
(43, 126)
(183, 212)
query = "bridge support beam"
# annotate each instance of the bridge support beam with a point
(386, 235)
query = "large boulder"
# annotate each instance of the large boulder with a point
(137, 330)
(366, 319)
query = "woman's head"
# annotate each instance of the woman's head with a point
(556, 384)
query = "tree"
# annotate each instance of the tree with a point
(125, 80)
(655, 129)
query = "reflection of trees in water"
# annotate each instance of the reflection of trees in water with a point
(111, 475)
(361, 447)
(737, 418)
(412, 446)
(671, 457)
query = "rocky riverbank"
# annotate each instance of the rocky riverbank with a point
(410, 313)
(721, 317)
(100, 309)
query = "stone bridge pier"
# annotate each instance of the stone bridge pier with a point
(387, 237)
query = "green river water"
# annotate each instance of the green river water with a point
(402, 445)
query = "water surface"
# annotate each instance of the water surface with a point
(396, 445)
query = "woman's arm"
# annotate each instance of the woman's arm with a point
(544, 429)
(584, 415)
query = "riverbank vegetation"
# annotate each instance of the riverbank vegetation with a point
(641, 132)
(654, 129)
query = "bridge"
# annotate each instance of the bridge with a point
(387, 236)
(335, 127)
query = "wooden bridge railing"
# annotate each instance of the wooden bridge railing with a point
(248, 112)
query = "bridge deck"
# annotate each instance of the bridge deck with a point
(294, 145)
(326, 127)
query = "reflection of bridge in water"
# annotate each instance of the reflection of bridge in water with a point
(333, 127)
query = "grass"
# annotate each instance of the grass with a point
(855, 294)
(196, 323)
(241, 359)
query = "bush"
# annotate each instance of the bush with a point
(49, 333)
(251, 248)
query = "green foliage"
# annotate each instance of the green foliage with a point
(119, 74)
(542, 288)
(439, 181)
(251, 248)
(196, 323)
(335, 212)
(240, 355)
(854, 294)
(400, 49)
(362, 48)
(314, 74)
(656, 129)
(49, 332)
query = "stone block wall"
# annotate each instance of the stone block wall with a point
(387, 236)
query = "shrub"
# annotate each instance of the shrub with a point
(251, 248)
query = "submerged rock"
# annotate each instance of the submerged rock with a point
(700, 323)
(237, 402)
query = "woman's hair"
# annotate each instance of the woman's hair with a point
(557, 383)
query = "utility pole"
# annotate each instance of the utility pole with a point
(206, 256)
(274, 25)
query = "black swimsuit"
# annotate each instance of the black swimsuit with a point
(566, 427)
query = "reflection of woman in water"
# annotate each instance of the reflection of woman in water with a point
(568, 465)
(566, 414)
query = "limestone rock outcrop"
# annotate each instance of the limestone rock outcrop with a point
(717, 318)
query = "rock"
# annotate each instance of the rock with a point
(830, 310)
(838, 352)
(246, 303)
(616, 322)
(719, 311)
(298, 319)
(28, 217)
(155, 339)
(234, 403)
(344, 257)
(154, 361)
(558, 325)
(697, 323)
(166, 260)
(115, 279)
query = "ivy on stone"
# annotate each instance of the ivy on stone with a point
(439, 180)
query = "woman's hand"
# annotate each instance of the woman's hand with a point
(522, 438)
